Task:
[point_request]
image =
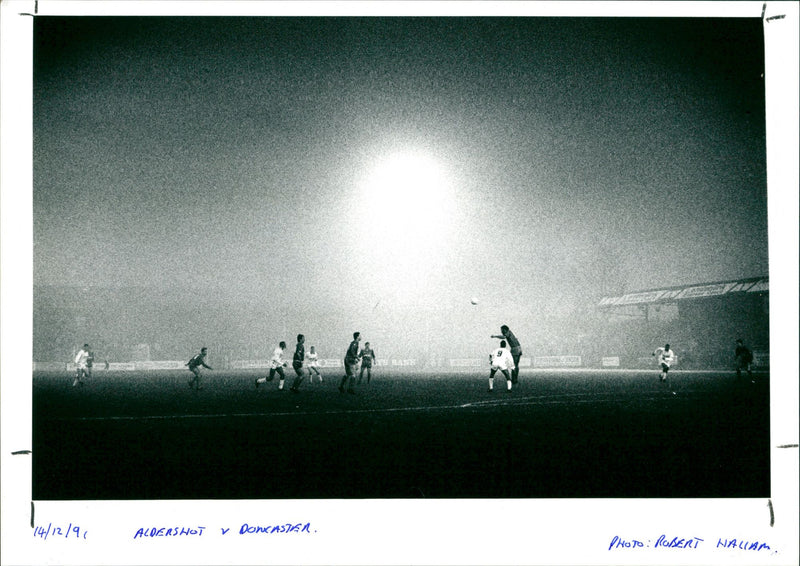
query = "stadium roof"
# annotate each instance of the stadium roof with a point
(693, 291)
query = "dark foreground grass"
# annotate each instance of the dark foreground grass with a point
(556, 435)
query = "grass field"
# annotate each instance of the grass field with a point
(557, 434)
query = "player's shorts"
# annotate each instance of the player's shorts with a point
(298, 367)
(516, 351)
(366, 364)
(664, 368)
(350, 368)
(278, 370)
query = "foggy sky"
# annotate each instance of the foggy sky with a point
(225, 156)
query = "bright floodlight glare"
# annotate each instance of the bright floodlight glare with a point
(407, 211)
(408, 194)
(405, 182)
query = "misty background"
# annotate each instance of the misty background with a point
(231, 182)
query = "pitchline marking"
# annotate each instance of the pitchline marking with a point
(565, 399)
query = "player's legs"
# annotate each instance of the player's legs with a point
(369, 373)
(351, 378)
(281, 377)
(344, 379)
(298, 378)
(516, 354)
(491, 378)
(265, 378)
(509, 378)
(194, 382)
(361, 374)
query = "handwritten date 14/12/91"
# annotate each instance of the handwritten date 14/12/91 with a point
(70, 532)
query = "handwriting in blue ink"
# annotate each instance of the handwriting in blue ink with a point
(662, 542)
(617, 542)
(742, 544)
(72, 531)
(168, 532)
(270, 529)
(678, 543)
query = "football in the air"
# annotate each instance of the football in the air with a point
(474, 301)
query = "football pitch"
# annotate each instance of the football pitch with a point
(557, 434)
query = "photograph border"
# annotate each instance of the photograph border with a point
(514, 531)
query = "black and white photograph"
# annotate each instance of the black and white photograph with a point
(328, 269)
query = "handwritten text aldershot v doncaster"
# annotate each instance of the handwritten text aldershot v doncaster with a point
(245, 529)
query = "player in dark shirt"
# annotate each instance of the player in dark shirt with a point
(194, 366)
(297, 362)
(367, 356)
(744, 359)
(90, 363)
(350, 364)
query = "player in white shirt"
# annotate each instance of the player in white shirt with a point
(500, 359)
(84, 362)
(276, 366)
(313, 364)
(665, 357)
(514, 347)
